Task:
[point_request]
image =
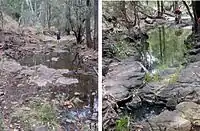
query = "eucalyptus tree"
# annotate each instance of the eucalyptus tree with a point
(196, 13)
(95, 24)
(88, 24)
(1, 13)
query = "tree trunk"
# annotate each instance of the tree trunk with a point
(1, 14)
(29, 3)
(78, 35)
(158, 5)
(48, 15)
(192, 18)
(87, 25)
(196, 12)
(122, 6)
(164, 46)
(95, 24)
(161, 48)
(175, 4)
(68, 16)
(162, 7)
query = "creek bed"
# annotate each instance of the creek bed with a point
(87, 85)
(164, 56)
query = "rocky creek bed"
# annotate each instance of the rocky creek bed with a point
(45, 85)
(158, 105)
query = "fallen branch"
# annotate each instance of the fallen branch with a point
(145, 69)
(95, 70)
(151, 17)
(168, 13)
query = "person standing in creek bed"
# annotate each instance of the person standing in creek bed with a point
(178, 13)
(58, 36)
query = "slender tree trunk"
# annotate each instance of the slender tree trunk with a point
(192, 18)
(161, 49)
(78, 35)
(30, 5)
(162, 7)
(164, 46)
(95, 24)
(21, 20)
(87, 25)
(175, 4)
(1, 14)
(135, 13)
(2, 19)
(48, 14)
(196, 12)
(158, 5)
(68, 16)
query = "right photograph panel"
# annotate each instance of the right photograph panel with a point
(151, 65)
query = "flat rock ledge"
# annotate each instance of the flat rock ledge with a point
(186, 117)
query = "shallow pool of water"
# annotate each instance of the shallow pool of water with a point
(145, 112)
(54, 60)
(166, 45)
(165, 52)
(87, 86)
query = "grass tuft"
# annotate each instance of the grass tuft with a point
(123, 124)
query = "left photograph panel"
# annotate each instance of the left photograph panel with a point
(48, 65)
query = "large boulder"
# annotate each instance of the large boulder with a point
(185, 89)
(168, 121)
(186, 117)
(190, 111)
(123, 77)
(42, 76)
(10, 66)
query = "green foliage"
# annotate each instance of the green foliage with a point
(123, 124)
(37, 113)
(46, 113)
(13, 6)
(174, 77)
(162, 66)
(152, 77)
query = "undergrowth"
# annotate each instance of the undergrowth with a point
(172, 78)
(123, 49)
(152, 77)
(35, 114)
